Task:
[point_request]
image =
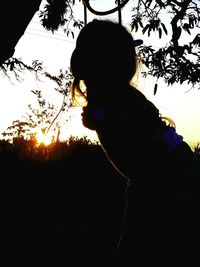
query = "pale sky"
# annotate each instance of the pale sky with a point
(55, 50)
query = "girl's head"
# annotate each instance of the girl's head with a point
(104, 58)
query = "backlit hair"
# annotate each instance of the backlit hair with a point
(105, 50)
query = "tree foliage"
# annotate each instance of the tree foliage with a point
(35, 119)
(44, 117)
(176, 62)
(16, 67)
(58, 14)
(179, 60)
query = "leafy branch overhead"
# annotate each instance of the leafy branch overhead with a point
(58, 14)
(177, 61)
(16, 66)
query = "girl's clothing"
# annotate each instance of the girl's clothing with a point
(162, 226)
(162, 220)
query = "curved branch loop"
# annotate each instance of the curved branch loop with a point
(102, 13)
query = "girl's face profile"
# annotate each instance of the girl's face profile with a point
(102, 63)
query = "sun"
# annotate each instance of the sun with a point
(43, 138)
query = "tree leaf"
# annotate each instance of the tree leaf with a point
(164, 28)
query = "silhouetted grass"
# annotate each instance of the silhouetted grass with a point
(196, 149)
(61, 203)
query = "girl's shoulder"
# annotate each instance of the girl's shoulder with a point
(139, 106)
(136, 95)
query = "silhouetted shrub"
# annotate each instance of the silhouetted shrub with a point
(197, 151)
(62, 202)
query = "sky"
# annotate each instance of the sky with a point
(54, 50)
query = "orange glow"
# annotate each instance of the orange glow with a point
(46, 139)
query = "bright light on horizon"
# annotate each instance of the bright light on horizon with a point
(46, 139)
(75, 127)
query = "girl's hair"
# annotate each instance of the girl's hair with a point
(105, 51)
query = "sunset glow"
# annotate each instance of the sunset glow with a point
(46, 139)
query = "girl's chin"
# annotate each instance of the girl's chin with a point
(88, 123)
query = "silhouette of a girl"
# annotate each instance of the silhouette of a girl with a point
(161, 221)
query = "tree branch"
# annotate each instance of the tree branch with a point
(176, 30)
